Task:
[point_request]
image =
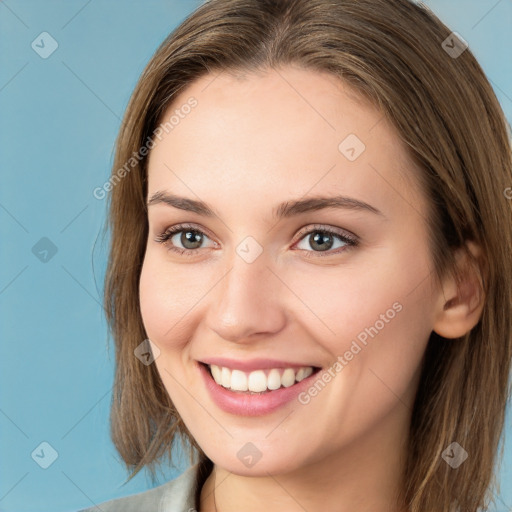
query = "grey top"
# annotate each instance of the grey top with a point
(178, 495)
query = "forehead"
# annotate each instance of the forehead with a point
(283, 133)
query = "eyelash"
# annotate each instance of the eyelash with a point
(350, 240)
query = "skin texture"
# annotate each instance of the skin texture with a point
(250, 143)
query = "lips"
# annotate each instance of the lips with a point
(256, 387)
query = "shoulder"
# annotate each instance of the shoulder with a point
(176, 495)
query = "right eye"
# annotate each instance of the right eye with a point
(190, 238)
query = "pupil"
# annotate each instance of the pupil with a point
(192, 237)
(322, 241)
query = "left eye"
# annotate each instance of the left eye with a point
(322, 240)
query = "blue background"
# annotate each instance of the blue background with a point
(59, 120)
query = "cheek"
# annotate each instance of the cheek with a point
(378, 320)
(381, 328)
(161, 303)
(170, 295)
(345, 303)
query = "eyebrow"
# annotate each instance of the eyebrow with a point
(283, 210)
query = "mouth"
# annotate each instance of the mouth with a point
(260, 388)
(260, 381)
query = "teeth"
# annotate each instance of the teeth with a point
(288, 378)
(258, 381)
(274, 379)
(303, 373)
(217, 373)
(238, 381)
(225, 378)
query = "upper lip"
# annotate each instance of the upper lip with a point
(253, 364)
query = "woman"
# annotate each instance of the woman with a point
(310, 222)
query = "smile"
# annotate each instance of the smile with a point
(253, 391)
(258, 381)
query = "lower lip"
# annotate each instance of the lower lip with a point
(244, 404)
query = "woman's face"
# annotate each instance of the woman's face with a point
(275, 176)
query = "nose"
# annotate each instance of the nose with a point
(247, 302)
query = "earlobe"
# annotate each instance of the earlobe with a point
(459, 308)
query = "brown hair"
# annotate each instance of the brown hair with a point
(445, 110)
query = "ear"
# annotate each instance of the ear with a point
(459, 308)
